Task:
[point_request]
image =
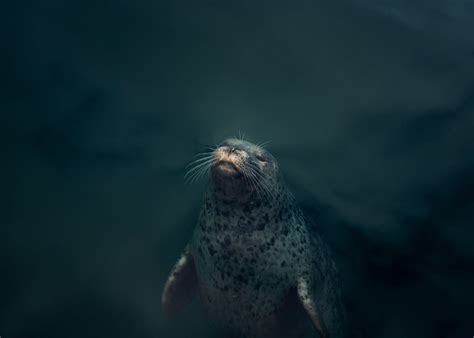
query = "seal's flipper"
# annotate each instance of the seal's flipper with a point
(307, 300)
(180, 286)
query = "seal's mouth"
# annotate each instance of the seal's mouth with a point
(224, 168)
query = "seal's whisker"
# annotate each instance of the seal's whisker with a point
(201, 166)
(255, 169)
(263, 144)
(262, 178)
(200, 169)
(262, 182)
(247, 178)
(254, 183)
(196, 175)
(205, 170)
(266, 191)
(199, 160)
(201, 163)
(204, 153)
(250, 177)
(257, 179)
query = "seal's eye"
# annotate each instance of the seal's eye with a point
(261, 158)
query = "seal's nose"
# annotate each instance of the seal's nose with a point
(231, 153)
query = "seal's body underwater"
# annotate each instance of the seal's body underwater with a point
(259, 267)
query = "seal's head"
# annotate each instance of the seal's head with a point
(241, 170)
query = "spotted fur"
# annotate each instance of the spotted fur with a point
(261, 269)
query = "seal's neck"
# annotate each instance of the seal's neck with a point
(255, 213)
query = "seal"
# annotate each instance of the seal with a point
(259, 266)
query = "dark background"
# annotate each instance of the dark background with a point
(369, 106)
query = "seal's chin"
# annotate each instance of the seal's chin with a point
(223, 170)
(228, 182)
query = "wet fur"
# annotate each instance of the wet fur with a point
(249, 253)
(261, 270)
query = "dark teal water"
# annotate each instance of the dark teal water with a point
(369, 106)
